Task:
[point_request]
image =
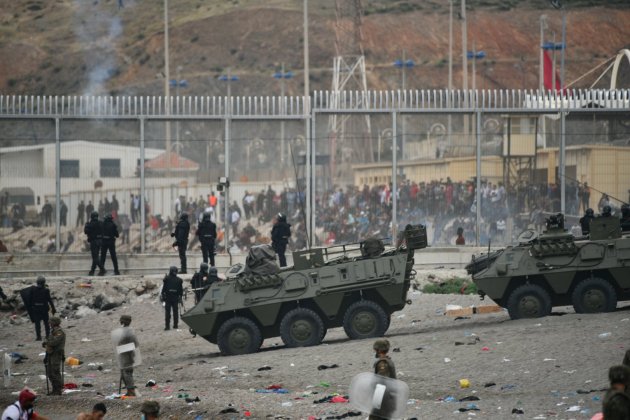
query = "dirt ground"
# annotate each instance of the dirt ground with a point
(554, 367)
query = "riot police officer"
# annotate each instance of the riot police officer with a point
(585, 221)
(280, 234)
(172, 292)
(181, 239)
(38, 306)
(198, 282)
(94, 231)
(110, 233)
(207, 233)
(606, 211)
(625, 217)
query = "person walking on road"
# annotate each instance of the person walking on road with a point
(181, 239)
(172, 293)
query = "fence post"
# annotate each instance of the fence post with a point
(478, 186)
(226, 189)
(57, 187)
(142, 190)
(309, 194)
(394, 178)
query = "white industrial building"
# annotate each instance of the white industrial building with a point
(89, 171)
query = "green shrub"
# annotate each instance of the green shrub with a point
(457, 286)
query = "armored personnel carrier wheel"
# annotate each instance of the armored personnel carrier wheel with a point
(365, 319)
(239, 335)
(593, 295)
(302, 327)
(529, 301)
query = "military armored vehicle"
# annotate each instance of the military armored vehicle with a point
(555, 269)
(357, 286)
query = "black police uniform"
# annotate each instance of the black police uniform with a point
(181, 239)
(280, 234)
(207, 232)
(40, 299)
(585, 223)
(172, 292)
(94, 231)
(625, 218)
(110, 233)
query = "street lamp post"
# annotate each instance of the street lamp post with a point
(177, 83)
(229, 78)
(403, 65)
(167, 92)
(282, 76)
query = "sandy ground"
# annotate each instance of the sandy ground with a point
(541, 366)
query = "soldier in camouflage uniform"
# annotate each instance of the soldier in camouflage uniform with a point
(383, 366)
(54, 346)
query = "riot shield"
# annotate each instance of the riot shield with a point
(379, 396)
(126, 350)
(6, 370)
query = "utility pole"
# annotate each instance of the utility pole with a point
(465, 65)
(450, 70)
(541, 77)
(167, 92)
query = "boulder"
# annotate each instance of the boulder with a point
(105, 302)
(140, 289)
(84, 311)
(149, 285)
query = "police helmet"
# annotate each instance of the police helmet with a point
(206, 216)
(281, 217)
(625, 209)
(172, 270)
(381, 345)
(606, 210)
(184, 216)
(125, 319)
(212, 271)
(109, 217)
(41, 280)
(94, 215)
(589, 212)
(54, 320)
(203, 267)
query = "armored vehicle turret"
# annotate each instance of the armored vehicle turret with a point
(357, 286)
(556, 269)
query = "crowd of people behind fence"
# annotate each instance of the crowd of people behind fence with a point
(343, 214)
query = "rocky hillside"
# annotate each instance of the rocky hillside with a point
(97, 47)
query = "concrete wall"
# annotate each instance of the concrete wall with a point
(31, 265)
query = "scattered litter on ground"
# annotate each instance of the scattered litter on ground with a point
(260, 369)
(323, 367)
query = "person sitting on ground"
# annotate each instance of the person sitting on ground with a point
(23, 408)
(616, 403)
(150, 409)
(98, 413)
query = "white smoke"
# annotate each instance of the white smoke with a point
(98, 32)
